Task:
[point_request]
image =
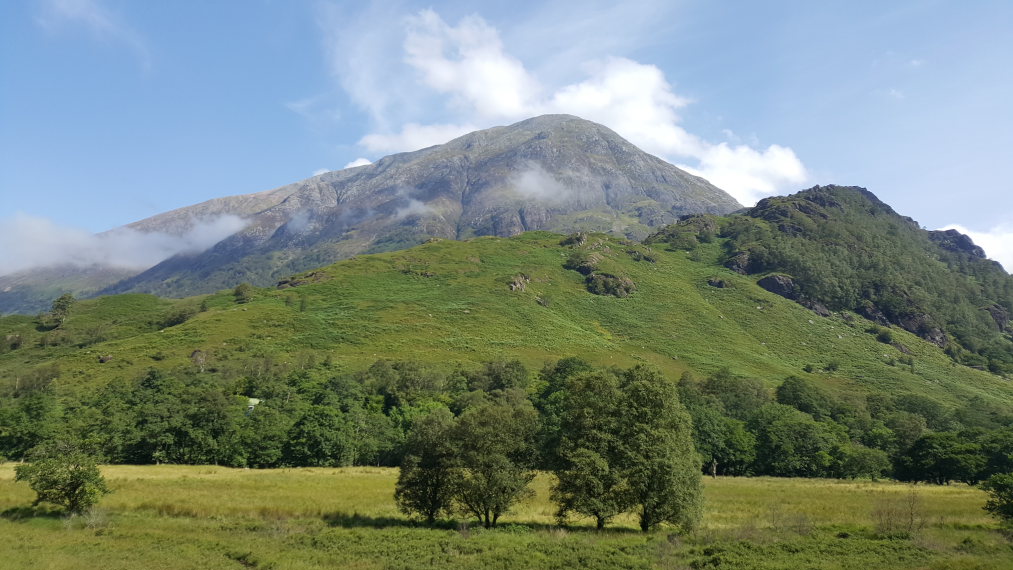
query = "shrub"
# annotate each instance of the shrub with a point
(63, 474)
(1000, 496)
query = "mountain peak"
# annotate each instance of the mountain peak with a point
(551, 172)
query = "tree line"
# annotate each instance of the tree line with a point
(312, 417)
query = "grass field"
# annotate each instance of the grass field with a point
(213, 517)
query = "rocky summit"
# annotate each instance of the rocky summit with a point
(553, 172)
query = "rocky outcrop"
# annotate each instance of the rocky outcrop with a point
(952, 240)
(780, 285)
(1001, 317)
(922, 325)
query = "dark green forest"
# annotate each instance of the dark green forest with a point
(305, 418)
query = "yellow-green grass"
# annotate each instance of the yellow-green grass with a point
(215, 517)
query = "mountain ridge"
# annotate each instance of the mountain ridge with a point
(552, 172)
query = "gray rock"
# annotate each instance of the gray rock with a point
(780, 285)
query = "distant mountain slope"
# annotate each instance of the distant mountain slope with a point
(528, 297)
(554, 172)
(841, 248)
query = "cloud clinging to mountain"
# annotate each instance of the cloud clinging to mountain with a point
(466, 72)
(29, 241)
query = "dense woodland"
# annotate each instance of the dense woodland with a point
(305, 418)
(841, 248)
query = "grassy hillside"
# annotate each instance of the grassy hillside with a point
(449, 303)
(213, 517)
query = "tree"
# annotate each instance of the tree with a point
(60, 309)
(63, 474)
(663, 467)
(790, 443)
(592, 478)
(942, 457)
(1000, 496)
(243, 293)
(320, 438)
(805, 396)
(495, 453)
(427, 481)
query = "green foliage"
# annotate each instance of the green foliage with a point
(593, 477)
(1000, 496)
(243, 293)
(63, 474)
(60, 310)
(847, 250)
(606, 284)
(791, 443)
(494, 457)
(663, 466)
(942, 457)
(427, 481)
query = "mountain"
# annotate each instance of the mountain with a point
(823, 314)
(554, 172)
(835, 248)
(537, 296)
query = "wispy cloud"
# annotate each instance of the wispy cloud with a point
(30, 241)
(97, 19)
(997, 242)
(358, 162)
(465, 75)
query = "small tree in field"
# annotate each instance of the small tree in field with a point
(427, 479)
(494, 453)
(1000, 497)
(63, 474)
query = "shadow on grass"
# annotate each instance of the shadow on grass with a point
(16, 514)
(356, 520)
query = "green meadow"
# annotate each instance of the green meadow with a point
(215, 517)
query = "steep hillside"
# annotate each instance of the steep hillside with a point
(453, 303)
(554, 172)
(841, 248)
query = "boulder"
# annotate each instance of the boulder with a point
(780, 285)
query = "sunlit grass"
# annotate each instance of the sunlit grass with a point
(170, 516)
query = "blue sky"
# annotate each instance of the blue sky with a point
(114, 110)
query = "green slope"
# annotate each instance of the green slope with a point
(451, 303)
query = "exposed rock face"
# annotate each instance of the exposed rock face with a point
(952, 240)
(780, 285)
(873, 313)
(1001, 317)
(554, 172)
(923, 326)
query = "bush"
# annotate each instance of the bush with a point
(1000, 496)
(63, 474)
(243, 293)
(605, 284)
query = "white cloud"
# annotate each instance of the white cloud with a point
(997, 242)
(358, 162)
(97, 19)
(30, 241)
(468, 70)
(320, 171)
(468, 62)
(748, 174)
(534, 183)
(414, 136)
